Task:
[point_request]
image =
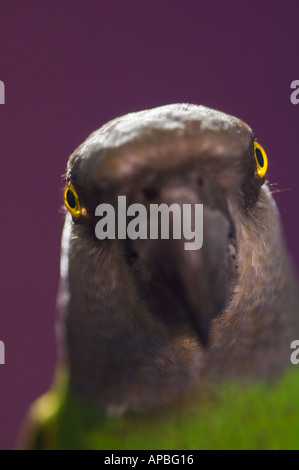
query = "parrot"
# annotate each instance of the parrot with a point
(163, 347)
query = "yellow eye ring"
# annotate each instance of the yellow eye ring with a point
(261, 160)
(71, 200)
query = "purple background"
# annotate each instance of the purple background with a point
(68, 67)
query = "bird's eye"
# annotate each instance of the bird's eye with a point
(261, 160)
(71, 200)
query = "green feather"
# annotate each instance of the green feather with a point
(229, 416)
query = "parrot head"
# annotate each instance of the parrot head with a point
(145, 321)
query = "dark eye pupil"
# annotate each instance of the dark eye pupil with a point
(71, 199)
(259, 157)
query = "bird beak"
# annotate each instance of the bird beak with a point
(200, 280)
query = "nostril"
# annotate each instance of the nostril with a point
(200, 182)
(150, 193)
(131, 255)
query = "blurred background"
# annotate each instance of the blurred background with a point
(70, 66)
